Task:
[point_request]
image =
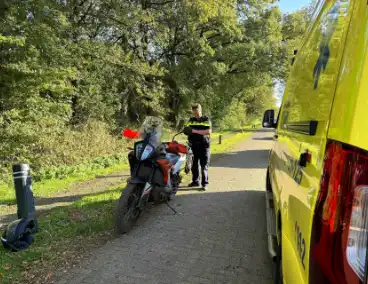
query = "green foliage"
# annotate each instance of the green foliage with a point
(232, 120)
(73, 73)
(62, 172)
(57, 153)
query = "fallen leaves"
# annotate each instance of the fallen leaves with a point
(48, 276)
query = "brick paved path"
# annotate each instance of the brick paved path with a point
(218, 236)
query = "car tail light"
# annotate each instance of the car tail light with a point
(340, 222)
(357, 237)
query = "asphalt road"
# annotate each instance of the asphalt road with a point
(218, 236)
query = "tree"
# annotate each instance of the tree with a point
(67, 63)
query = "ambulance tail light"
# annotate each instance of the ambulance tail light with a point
(338, 251)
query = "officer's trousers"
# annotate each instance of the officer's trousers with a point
(201, 155)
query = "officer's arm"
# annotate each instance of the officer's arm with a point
(202, 132)
(205, 131)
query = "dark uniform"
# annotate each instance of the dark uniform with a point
(200, 147)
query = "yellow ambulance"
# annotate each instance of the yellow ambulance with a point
(317, 179)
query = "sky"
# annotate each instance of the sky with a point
(288, 6)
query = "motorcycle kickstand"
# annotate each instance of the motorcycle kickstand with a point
(167, 203)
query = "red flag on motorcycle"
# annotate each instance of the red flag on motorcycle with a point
(129, 133)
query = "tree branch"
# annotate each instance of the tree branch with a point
(213, 36)
(237, 71)
(85, 14)
(79, 5)
(162, 3)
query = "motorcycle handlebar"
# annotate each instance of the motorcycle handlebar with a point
(186, 131)
(177, 134)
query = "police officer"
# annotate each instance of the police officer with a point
(200, 140)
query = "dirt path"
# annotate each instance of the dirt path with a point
(218, 236)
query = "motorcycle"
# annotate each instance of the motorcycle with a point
(155, 173)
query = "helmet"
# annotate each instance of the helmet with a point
(152, 123)
(18, 234)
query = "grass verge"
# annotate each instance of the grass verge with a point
(51, 187)
(66, 234)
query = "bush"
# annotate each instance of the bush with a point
(61, 154)
(235, 117)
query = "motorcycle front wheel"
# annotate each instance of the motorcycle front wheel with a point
(127, 210)
(158, 197)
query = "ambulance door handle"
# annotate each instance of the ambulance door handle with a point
(305, 158)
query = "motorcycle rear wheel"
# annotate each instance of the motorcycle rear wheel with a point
(127, 210)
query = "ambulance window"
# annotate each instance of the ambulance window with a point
(312, 82)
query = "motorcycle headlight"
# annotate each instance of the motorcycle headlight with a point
(138, 150)
(147, 151)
